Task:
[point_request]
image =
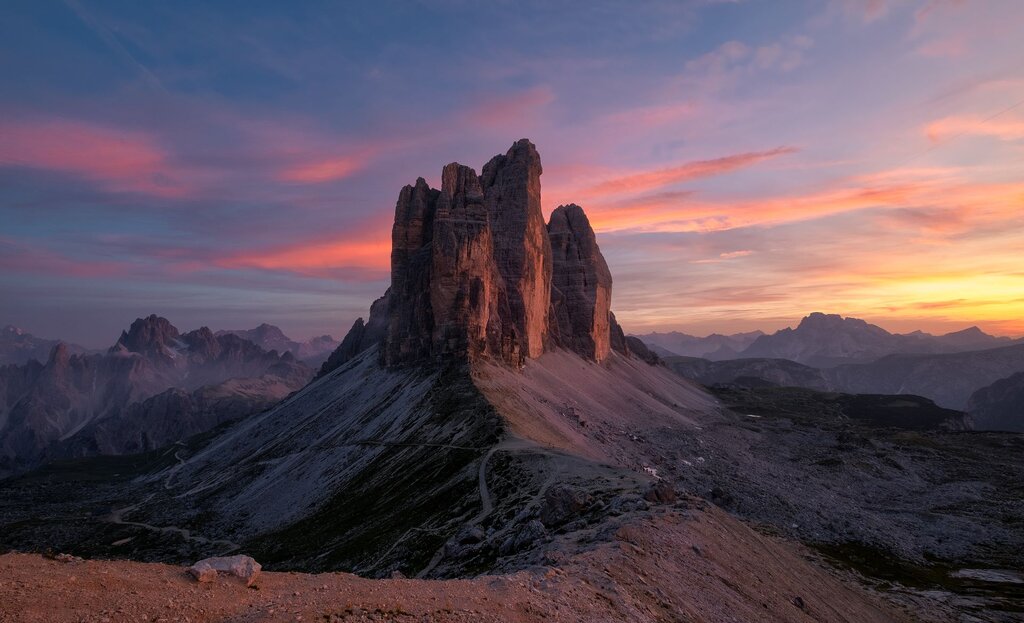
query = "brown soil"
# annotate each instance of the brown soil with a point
(695, 566)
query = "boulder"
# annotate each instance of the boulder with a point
(244, 567)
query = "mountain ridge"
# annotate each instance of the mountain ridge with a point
(80, 404)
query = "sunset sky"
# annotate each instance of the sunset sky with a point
(744, 163)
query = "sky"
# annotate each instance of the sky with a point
(744, 163)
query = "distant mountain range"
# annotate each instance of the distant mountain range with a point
(822, 340)
(18, 347)
(268, 337)
(989, 383)
(715, 347)
(153, 387)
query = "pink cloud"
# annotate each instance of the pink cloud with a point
(367, 254)
(949, 47)
(649, 180)
(970, 125)
(120, 160)
(510, 108)
(323, 170)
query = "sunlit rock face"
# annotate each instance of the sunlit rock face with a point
(522, 251)
(477, 273)
(581, 285)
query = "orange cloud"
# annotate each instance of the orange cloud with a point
(904, 189)
(640, 182)
(949, 127)
(317, 258)
(120, 160)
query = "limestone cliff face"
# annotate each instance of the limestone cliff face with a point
(409, 322)
(476, 272)
(522, 251)
(465, 286)
(581, 285)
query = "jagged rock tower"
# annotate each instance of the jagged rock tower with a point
(475, 272)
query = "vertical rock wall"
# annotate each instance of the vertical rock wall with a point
(475, 272)
(581, 285)
(522, 252)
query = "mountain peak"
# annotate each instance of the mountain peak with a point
(972, 331)
(476, 272)
(152, 334)
(268, 329)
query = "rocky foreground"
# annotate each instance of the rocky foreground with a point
(720, 571)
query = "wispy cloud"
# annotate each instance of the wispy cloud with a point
(650, 180)
(110, 39)
(1004, 129)
(120, 160)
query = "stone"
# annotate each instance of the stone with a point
(244, 567)
(581, 285)
(562, 503)
(67, 558)
(661, 492)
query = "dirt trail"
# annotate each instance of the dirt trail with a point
(700, 566)
(116, 516)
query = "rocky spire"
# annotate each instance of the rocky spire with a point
(581, 291)
(464, 281)
(409, 322)
(522, 251)
(475, 272)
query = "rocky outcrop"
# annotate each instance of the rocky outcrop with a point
(360, 337)
(617, 337)
(999, 406)
(522, 250)
(581, 285)
(475, 272)
(637, 348)
(465, 286)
